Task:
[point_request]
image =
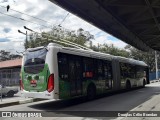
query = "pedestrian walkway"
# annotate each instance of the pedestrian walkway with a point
(17, 99)
(149, 110)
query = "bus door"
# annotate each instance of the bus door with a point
(107, 74)
(116, 74)
(75, 75)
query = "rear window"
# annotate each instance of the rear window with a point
(34, 61)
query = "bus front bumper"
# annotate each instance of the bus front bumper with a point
(44, 95)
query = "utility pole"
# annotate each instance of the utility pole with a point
(156, 65)
(26, 37)
(26, 46)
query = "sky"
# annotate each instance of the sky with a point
(52, 15)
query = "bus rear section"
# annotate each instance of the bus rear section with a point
(37, 80)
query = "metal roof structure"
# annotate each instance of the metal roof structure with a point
(136, 22)
(11, 63)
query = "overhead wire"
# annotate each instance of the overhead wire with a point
(63, 19)
(27, 15)
(24, 20)
(32, 17)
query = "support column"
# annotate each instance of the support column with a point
(156, 65)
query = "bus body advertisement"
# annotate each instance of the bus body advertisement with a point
(57, 72)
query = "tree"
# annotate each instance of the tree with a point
(80, 37)
(111, 49)
(5, 55)
(147, 57)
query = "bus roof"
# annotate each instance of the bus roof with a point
(131, 61)
(94, 54)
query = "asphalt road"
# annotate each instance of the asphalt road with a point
(143, 99)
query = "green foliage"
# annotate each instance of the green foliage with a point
(80, 37)
(111, 49)
(147, 57)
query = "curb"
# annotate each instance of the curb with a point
(19, 102)
(154, 81)
(9, 104)
(25, 101)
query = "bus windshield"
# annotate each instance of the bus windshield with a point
(34, 61)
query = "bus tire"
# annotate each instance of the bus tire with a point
(144, 83)
(128, 85)
(91, 92)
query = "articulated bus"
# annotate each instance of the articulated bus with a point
(57, 72)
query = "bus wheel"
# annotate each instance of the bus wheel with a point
(91, 92)
(144, 83)
(128, 85)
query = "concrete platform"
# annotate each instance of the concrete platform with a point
(16, 100)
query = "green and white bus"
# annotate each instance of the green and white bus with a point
(57, 72)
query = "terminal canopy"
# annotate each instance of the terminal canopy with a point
(136, 22)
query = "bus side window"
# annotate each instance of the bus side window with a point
(107, 70)
(124, 70)
(105, 66)
(132, 71)
(72, 68)
(110, 71)
(140, 72)
(100, 72)
(63, 66)
(88, 68)
(107, 73)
